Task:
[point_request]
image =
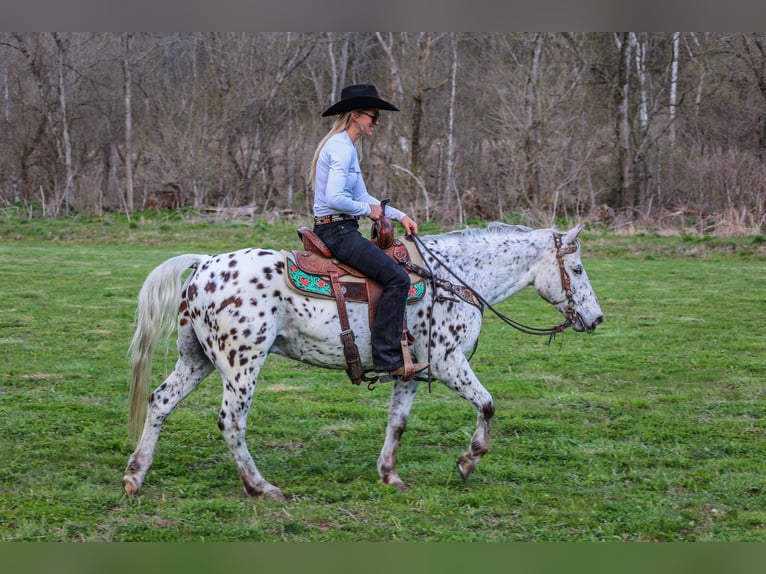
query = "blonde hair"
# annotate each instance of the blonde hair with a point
(341, 124)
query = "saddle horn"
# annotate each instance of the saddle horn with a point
(383, 228)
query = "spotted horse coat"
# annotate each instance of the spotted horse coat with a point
(235, 308)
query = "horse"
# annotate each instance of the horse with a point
(236, 308)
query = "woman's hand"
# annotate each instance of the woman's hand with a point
(409, 225)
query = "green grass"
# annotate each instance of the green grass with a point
(652, 428)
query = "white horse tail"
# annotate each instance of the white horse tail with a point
(157, 310)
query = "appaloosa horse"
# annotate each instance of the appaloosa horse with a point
(236, 308)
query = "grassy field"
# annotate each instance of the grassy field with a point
(652, 428)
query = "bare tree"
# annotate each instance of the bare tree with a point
(451, 185)
(412, 77)
(536, 125)
(37, 73)
(128, 92)
(673, 100)
(754, 54)
(625, 45)
(533, 111)
(63, 49)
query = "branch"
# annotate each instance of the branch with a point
(419, 183)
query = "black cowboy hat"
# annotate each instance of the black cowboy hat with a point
(358, 97)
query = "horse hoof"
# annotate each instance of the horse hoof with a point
(464, 472)
(269, 491)
(399, 485)
(396, 483)
(274, 494)
(129, 486)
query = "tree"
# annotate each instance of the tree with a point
(127, 66)
(625, 42)
(754, 54)
(538, 125)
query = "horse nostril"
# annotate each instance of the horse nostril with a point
(598, 320)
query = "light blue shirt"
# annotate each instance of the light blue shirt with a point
(339, 185)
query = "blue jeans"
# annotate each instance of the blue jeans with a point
(350, 247)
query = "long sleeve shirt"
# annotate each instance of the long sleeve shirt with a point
(339, 186)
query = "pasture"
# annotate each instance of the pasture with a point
(650, 429)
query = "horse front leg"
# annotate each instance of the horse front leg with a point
(402, 397)
(467, 461)
(463, 381)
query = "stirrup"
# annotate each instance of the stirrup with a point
(402, 373)
(372, 378)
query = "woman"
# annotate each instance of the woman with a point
(340, 198)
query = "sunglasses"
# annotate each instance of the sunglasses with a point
(375, 116)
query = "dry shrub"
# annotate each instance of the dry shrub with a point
(724, 192)
(736, 222)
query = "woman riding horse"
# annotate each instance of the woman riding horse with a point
(340, 198)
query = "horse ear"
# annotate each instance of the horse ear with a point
(571, 235)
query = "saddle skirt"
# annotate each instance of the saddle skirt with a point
(308, 273)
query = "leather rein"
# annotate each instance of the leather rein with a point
(566, 285)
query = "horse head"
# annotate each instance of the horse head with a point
(562, 281)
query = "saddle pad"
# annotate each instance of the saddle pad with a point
(316, 285)
(354, 288)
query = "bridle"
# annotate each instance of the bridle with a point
(471, 296)
(566, 284)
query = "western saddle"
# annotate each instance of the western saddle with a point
(314, 272)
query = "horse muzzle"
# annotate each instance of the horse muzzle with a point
(588, 326)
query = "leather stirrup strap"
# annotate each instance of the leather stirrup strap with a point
(350, 351)
(409, 368)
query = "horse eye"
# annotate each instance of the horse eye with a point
(577, 270)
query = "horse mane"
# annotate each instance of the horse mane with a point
(495, 227)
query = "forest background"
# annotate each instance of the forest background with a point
(630, 128)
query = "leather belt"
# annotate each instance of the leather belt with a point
(334, 218)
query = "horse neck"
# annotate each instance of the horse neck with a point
(496, 265)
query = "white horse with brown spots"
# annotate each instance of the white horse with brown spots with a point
(236, 308)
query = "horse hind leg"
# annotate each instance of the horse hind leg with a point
(238, 388)
(402, 397)
(190, 369)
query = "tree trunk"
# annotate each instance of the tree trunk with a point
(532, 143)
(66, 139)
(290, 162)
(126, 69)
(622, 93)
(6, 96)
(640, 167)
(451, 184)
(417, 108)
(106, 173)
(674, 88)
(38, 77)
(397, 91)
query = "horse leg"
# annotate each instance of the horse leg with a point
(238, 389)
(191, 368)
(468, 387)
(467, 462)
(402, 397)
